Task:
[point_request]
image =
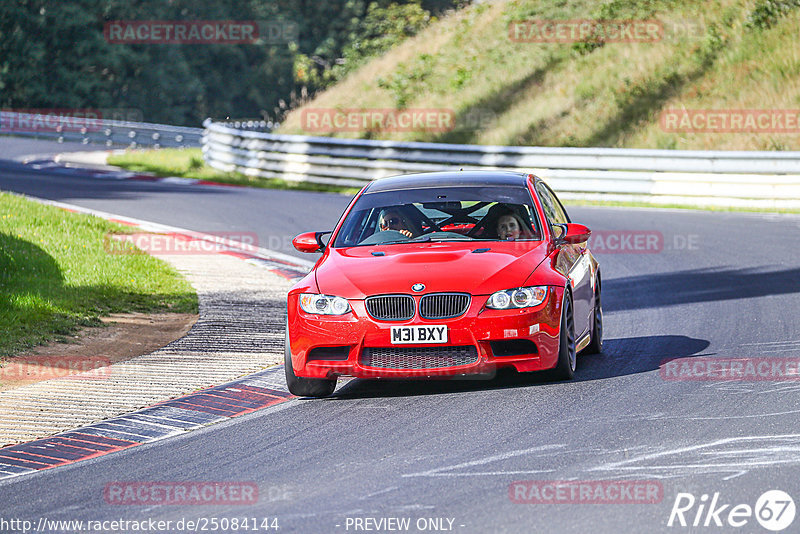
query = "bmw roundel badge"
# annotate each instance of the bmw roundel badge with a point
(418, 287)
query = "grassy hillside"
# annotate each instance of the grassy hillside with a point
(716, 54)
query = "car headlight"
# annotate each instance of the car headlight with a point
(521, 297)
(323, 304)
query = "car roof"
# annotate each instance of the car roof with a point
(448, 179)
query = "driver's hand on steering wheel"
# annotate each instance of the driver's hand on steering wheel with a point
(406, 233)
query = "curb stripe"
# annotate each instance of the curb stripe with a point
(20, 455)
(53, 453)
(217, 184)
(50, 165)
(291, 269)
(207, 409)
(154, 423)
(10, 459)
(179, 425)
(83, 445)
(14, 470)
(168, 418)
(96, 439)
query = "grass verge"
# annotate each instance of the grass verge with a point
(188, 163)
(56, 276)
(634, 204)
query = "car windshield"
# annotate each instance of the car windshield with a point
(440, 214)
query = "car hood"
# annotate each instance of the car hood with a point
(356, 273)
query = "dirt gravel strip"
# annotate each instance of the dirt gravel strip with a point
(239, 331)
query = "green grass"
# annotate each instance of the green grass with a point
(636, 204)
(56, 276)
(188, 163)
(502, 92)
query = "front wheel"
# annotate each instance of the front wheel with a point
(565, 367)
(304, 387)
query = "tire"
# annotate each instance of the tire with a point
(565, 367)
(304, 387)
(595, 346)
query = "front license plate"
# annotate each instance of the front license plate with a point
(419, 334)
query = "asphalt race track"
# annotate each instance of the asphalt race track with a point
(715, 285)
(275, 216)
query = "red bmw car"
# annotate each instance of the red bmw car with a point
(441, 274)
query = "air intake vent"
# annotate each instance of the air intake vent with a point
(391, 307)
(513, 347)
(443, 305)
(419, 357)
(328, 353)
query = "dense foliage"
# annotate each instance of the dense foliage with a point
(53, 54)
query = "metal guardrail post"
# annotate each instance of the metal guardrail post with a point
(723, 178)
(110, 133)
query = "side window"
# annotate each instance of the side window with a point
(552, 208)
(559, 206)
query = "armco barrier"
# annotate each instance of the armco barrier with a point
(110, 133)
(721, 178)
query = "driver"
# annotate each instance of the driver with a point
(393, 219)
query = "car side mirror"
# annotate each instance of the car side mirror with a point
(573, 233)
(309, 242)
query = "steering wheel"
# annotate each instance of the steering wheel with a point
(473, 233)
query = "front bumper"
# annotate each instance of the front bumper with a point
(525, 339)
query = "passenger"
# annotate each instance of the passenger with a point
(509, 225)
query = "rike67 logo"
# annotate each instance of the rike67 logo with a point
(774, 510)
